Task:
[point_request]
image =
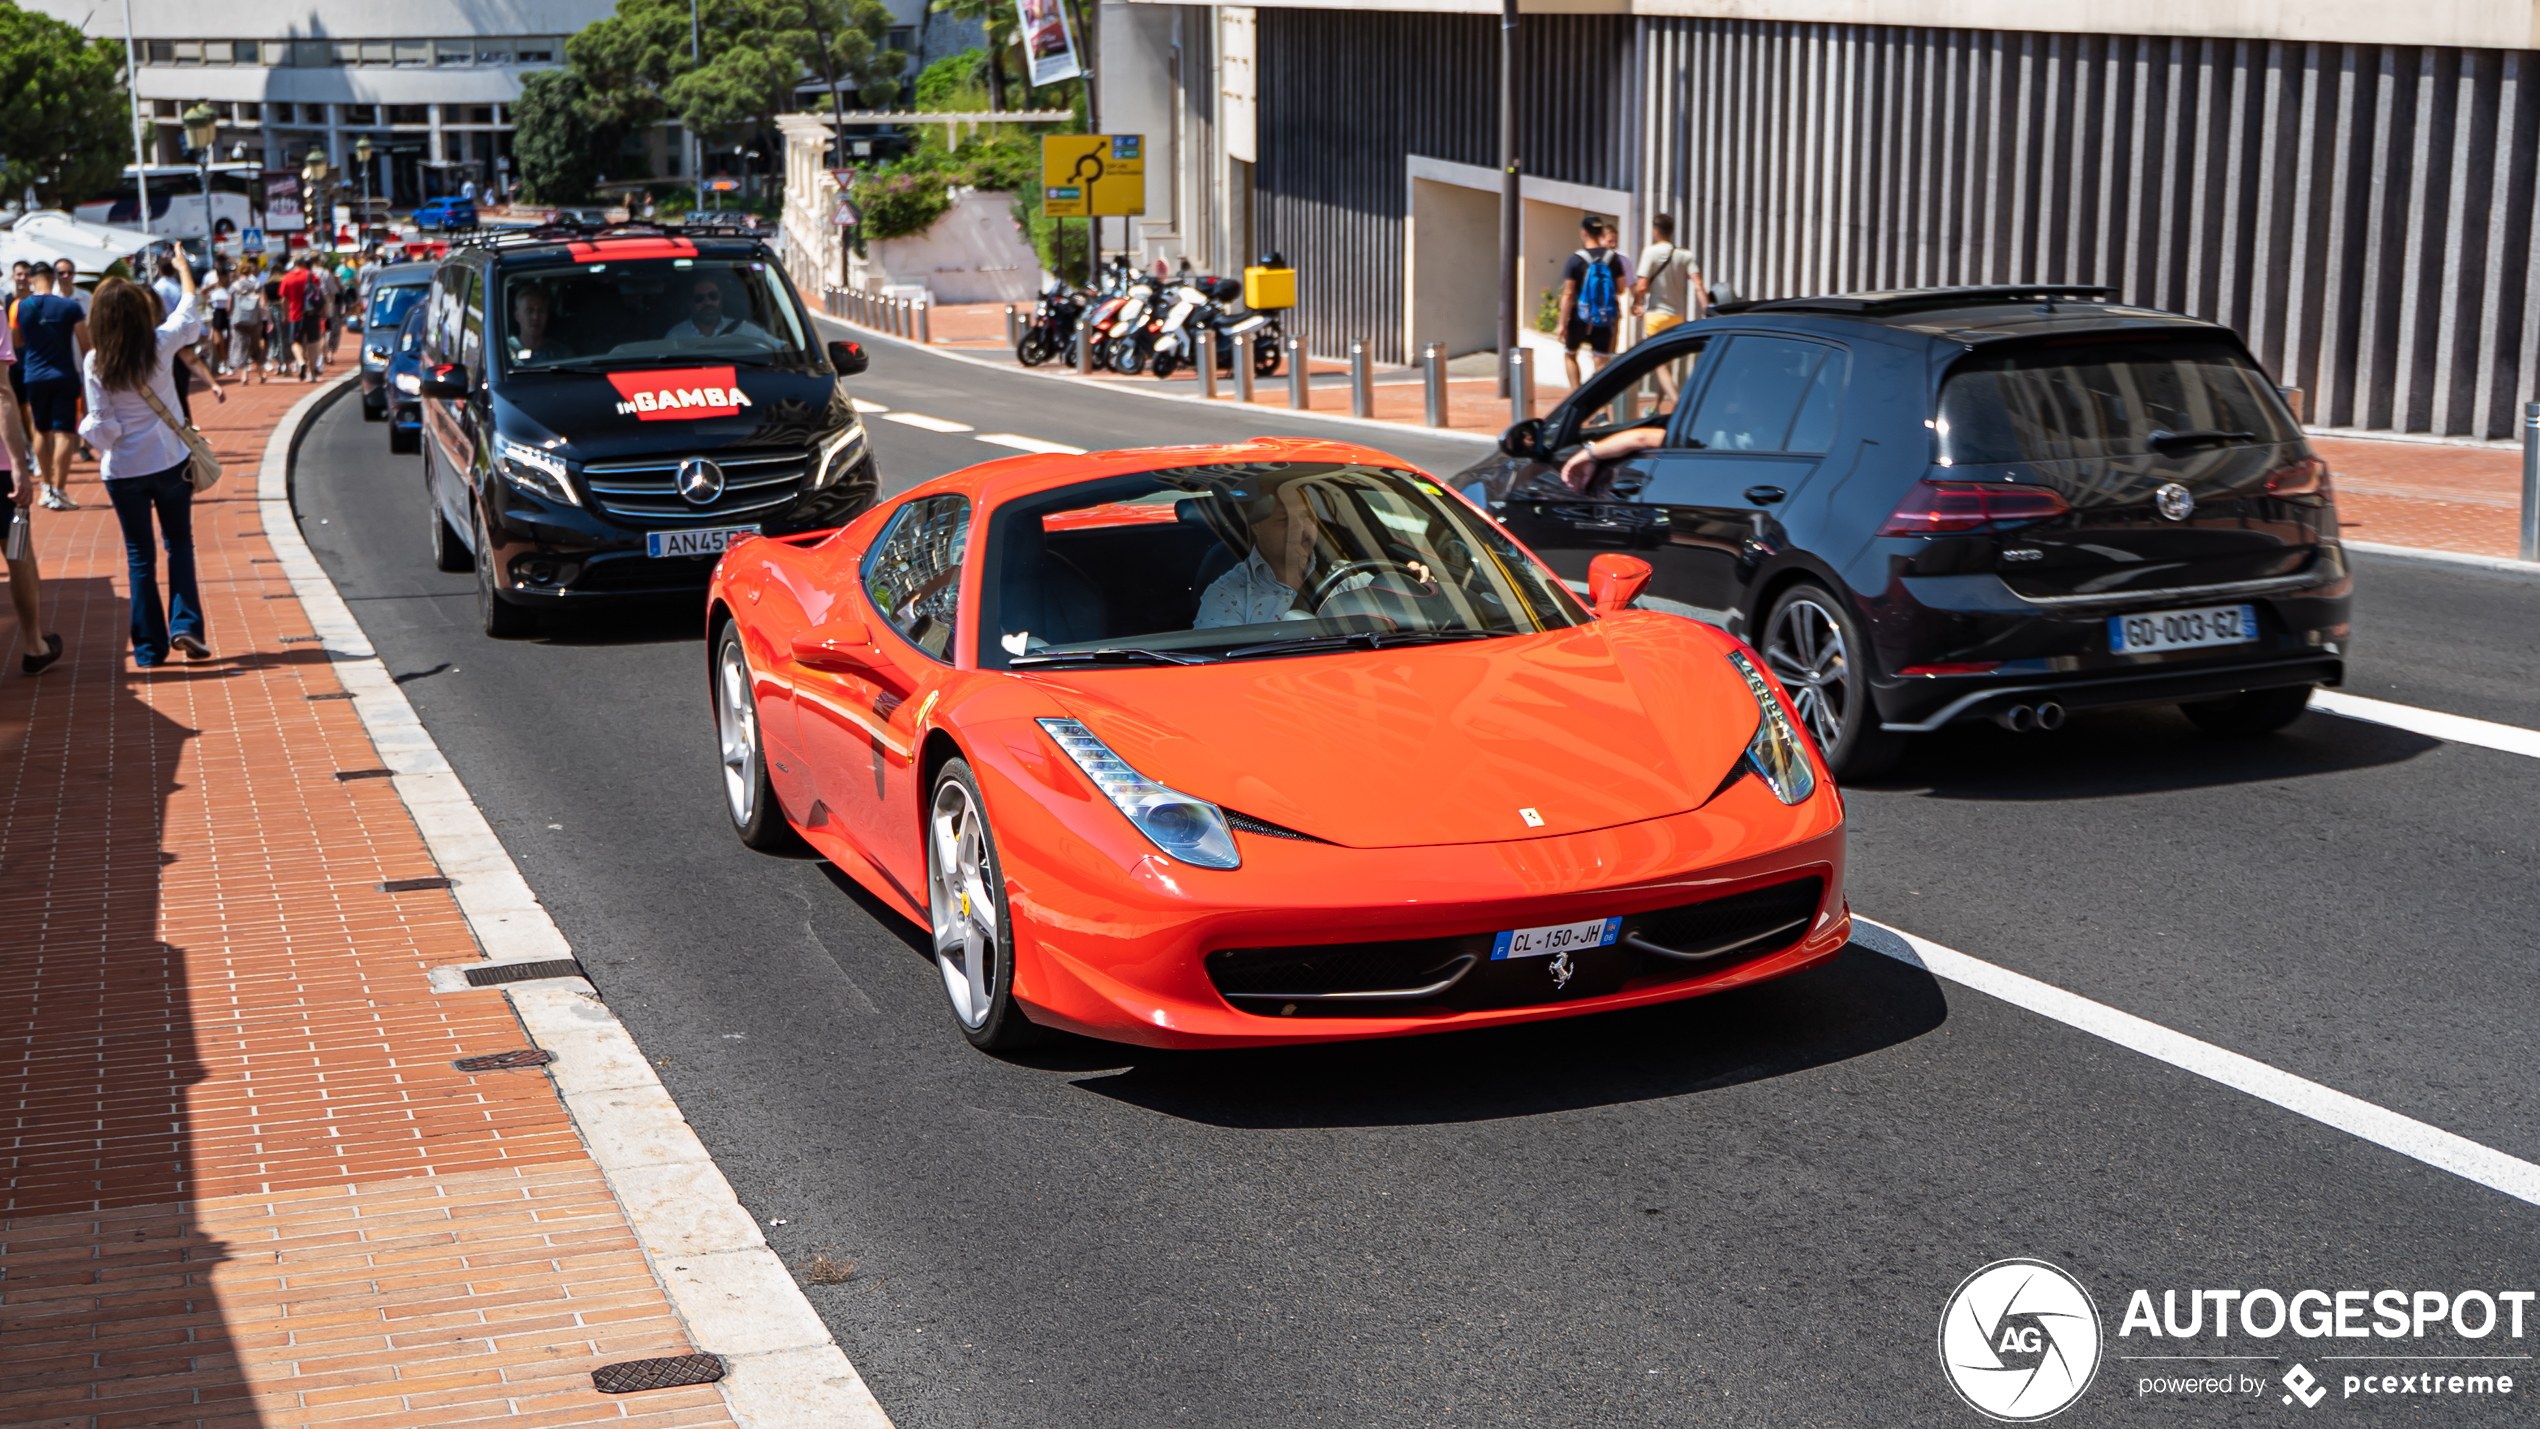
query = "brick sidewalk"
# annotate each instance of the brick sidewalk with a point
(245, 1186)
(2401, 493)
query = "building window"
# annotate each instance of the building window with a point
(361, 113)
(162, 52)
(493, 52)
(454, 52)
(540, 51)
(317, 54)
(163, 108)
(476, 114)
(189, 52)
(250, 113)
(408, 114)
(901, 38)
(413, 54)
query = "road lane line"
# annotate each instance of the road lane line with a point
(926, 423)
(2459, 729)
(862, 405)
(1029, 444)
(2440, 1149)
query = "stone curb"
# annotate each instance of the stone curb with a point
(728, 1288)
(2504, 564)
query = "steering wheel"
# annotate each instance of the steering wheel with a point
(1337, 576)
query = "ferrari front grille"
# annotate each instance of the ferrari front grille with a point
(1763, 920)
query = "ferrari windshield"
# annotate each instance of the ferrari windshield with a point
(648, 310)
(1235, 561)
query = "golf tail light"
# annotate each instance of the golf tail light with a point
(1192, 830)
(1777, 753)
(1941, 508)
(2305, 481)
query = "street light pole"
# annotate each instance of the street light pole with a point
(696, 147)
(361, 223)
(132, 86)
(1508, 196)
(202, 131)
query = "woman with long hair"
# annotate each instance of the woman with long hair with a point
(132, 423)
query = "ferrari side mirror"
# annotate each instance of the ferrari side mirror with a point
(848, 358)
(1615, 581)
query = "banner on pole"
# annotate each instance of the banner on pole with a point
(282, 203)
(1049, 44)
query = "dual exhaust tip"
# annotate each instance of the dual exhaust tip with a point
(2020, 719)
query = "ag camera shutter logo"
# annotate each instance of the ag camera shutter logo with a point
(2020, 1341)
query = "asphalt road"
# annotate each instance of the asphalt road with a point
(1748, 1209)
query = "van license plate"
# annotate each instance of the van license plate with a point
(709, 542)
(2182, 629)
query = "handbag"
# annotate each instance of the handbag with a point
(201, 467)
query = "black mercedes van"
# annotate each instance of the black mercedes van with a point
(605, 409)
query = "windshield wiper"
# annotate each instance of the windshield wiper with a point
(1361, 639)
(2166, 440)
(1110, 655)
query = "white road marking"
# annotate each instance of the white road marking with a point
(2432, 1145)
(1029, 444)
(926, 423)
(2459, 729)
(862, 405)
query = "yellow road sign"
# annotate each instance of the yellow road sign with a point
(1093, 175)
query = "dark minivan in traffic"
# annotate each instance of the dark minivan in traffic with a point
(604, 411)
(1951, 504)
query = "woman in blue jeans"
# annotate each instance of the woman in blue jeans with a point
(142, 458)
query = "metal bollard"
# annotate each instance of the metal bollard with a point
(1243, 368)
(900, 310)
(1521, 384)
(1013, 334)
(925, 324)
(2531, 481)
(1207, 355)
(1433, 359)
(1084, 348)
(1362, 390)
(1300, 394)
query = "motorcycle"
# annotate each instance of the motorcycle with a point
(1130, 338)
(1052, 331)
(1201, 314)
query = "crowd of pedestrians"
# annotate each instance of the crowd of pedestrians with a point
(108, 373)
(1599, 283)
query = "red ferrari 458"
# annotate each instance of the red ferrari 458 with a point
(1271, 742)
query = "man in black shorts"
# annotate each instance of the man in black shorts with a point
(1592, 287)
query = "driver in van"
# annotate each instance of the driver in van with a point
(705, 314)
(1265, 585)
(532, 310)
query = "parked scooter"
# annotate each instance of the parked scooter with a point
(1130, 338)
(1052, 332)
(1202, 312)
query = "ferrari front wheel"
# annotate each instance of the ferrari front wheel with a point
(965, 900)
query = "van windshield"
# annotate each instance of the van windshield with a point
(2109, 398)
(649, 310)
(389, 306)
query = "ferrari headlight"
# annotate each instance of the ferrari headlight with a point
(837, 453)
(1777, 752)
(534, 470)
(1192, 830)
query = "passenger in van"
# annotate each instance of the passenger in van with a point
(529, 337)
(705, 315)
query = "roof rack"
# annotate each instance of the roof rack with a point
(570, 232)
(1920, 299)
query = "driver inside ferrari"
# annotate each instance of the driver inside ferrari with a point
(1287, 550)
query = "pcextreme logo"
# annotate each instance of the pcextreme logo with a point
(679, 394)
(2019, 1341)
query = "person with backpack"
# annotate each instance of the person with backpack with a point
(1592, 287)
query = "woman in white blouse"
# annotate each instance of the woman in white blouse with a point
(142, 459)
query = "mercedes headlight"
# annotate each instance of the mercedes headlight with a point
(1777, 753)
(1192, 830)
(534, 470)
(837, 454)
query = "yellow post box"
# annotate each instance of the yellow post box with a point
(1269, 287)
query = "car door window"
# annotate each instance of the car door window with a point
(1754, 401)
(913, 575)
(1651, 373)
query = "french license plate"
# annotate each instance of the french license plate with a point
(709, 542)
(2182, 629)
(1559, 938)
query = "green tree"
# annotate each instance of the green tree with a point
(64, 118)
(636, 65)
(1003, 24)
(554, 140)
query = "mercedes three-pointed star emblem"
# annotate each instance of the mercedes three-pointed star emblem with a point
(700, 480)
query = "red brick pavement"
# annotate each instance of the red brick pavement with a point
(243, 1183)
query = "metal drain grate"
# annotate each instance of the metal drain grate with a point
(413, 885)
(523, 972)
(348, 775)
(300, 639)
(505, 1061)
(630, 1376)
(338, 695)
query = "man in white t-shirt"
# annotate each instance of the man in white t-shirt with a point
(1668, 291)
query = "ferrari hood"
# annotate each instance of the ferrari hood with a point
(1629, 718)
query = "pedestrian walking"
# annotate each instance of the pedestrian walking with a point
(21, 287)
(129, 377)
(333, 287)
(300, 296)
(217, 293)
(17, 532)
(249, 317)
(52, 331)
(1592, 284)
(66, 283)
(1668, 290)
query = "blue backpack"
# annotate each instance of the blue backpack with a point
(1597, 306)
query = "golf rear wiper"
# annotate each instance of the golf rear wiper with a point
(1361, 639)
(2165, 440)
(1109, 655)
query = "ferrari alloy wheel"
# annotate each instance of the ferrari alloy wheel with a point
(1810, 644)
(965, 900)
(748, 796)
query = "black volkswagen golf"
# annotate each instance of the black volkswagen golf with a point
(605, 410)
(1955, 504)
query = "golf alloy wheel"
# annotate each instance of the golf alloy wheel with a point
(1811, 646)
